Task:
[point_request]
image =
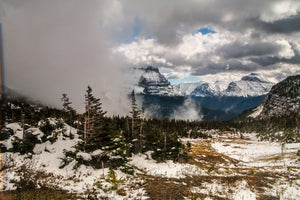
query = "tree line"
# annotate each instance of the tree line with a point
(116, 138)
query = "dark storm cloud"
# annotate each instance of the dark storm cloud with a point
(286, 25)
(230, 65)
(239, 49)
(271, 60)
(266, 60)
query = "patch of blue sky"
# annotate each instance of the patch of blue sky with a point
(206, 30)
(189, 79)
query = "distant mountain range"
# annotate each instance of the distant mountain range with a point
(152, 82)
(219, 100)
(212, 101)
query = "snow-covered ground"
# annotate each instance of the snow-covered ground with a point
(48, 157)
(254, 153)
(167, 169)
(225, 167)
(278, 159)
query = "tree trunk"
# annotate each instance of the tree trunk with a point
(23, 125)
(85, 131)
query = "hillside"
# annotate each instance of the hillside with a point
(282, 100)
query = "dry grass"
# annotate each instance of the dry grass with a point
(7, 195)
(163, 188)
(37, 194)
(205, 157)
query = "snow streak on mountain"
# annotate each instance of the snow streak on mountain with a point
(154, 83)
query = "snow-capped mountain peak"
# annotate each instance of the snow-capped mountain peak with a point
(251, 85)
(154, 83)
(253, 77)
(204, 90)
(152, 77)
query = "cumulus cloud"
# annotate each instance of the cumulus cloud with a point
(250, 35)
(223, 51)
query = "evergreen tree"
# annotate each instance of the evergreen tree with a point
(66, 102)
(135, 116)
(87, 115)
(136, 124)
(93, 117)
(70, 113)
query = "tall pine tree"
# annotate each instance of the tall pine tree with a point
(136, 124)
(93, 117)
(134, 116)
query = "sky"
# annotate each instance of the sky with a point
(53, 47)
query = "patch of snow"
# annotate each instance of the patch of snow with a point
(291, 192)
(14, 126)
(18, 131)
(84, 156)
(243, 192)
(257, 111)
(97, 152)
(40, 148)
(257, 153)
(165, 169)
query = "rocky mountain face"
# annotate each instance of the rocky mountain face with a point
(153, 82)
(161, 99)
(283, 99)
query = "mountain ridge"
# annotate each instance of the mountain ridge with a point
(153, 82)
(211, 99)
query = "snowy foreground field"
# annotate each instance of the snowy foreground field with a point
(223, 167)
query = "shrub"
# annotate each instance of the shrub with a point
(6, 132)
(24, 146)
(113, 179)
